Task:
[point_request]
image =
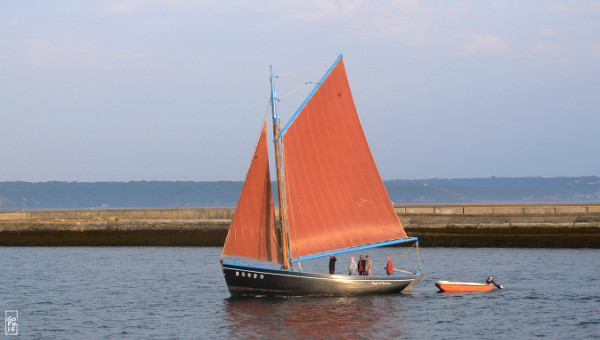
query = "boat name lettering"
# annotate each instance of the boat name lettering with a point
(378, 283)
(250, 275)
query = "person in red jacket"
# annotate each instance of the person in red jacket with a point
(389, 267)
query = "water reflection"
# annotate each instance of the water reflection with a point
(316, 317)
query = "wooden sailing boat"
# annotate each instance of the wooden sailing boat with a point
(331, 201)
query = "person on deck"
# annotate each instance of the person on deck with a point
(369, 266)
(352, 266)
(332, 260)
(389, 267)
(361, 265)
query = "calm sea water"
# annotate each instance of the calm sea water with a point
(180, 293)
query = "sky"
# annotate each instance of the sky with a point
(130, 90)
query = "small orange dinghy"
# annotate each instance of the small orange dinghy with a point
(466, 287)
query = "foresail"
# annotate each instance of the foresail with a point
(252, 233)
(335, 198)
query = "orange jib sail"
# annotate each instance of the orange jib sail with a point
(335, 198)
(252, 233)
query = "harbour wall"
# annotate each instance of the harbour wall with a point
(524, 226)
(535, 226)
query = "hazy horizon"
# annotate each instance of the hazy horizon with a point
(138, 194)
(273, 180)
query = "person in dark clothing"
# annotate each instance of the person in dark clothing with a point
(362, 265)
(332, 260)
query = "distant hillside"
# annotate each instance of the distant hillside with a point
(138, 194)
(163, 194)
(495, 190)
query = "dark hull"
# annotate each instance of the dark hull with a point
(250, 280)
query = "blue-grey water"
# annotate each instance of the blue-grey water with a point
(147, 292)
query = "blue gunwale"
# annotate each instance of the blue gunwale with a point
(255, 267)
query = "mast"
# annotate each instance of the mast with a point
(283, 234)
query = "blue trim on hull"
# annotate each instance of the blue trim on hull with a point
(257, 268)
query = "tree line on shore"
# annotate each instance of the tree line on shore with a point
(181, 194)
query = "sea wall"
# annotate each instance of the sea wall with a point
(554, 226)
(549, 226)
(127, 214)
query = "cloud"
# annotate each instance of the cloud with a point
(496, 5)
(548, 32)
(590, 8)
(132, 6)
(542, 48)
(388, 20)
(413, 22)
(60, 54)
(404, 21)
(595, 48)
(486, 44)
(123, 7)
(560, 8)
(320, 11)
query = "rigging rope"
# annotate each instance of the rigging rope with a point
(406, 252)
(268, 110)
(303, 69)
(296, 89)
(304, 83)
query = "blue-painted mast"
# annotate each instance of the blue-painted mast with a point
(283, 225)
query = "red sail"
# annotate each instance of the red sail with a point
(335, 198)
(252, 233)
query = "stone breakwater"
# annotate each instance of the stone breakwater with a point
(551, 226)
(126, 227)
(526, 226)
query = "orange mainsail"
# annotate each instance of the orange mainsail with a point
(335, 198)
(252, 232)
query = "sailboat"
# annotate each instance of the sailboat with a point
(331, 200)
